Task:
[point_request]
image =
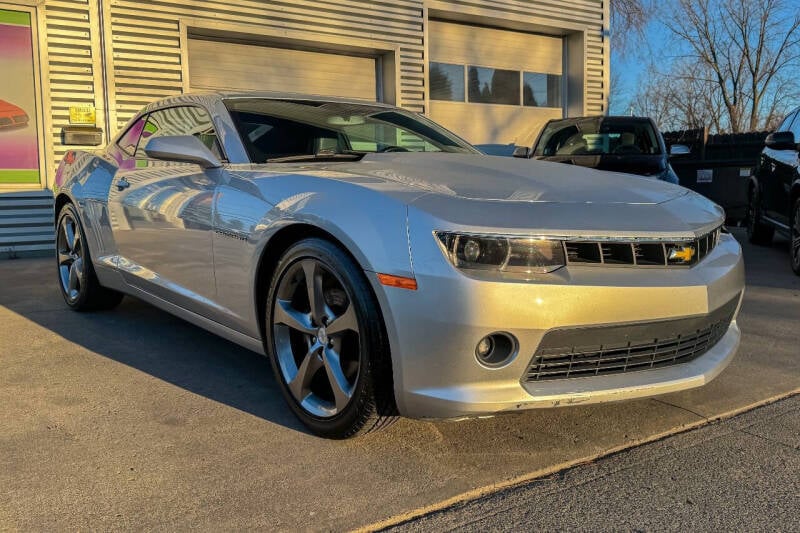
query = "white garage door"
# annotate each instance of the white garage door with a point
(233, 66)
(494, 86)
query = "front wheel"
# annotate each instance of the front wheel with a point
(326, 342)
(795, 240)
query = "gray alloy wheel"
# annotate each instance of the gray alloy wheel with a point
(317, 340)
(327, 343)
(795, 237)
(69, 247)
(77, 280)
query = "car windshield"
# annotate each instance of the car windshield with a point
(598, 137)
(300, 130)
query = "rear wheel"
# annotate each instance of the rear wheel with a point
(795, 237)
(326, 342)
(757, 231)
(76, 276)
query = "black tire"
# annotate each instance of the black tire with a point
(303, 353)
(757, 231)
(794, 242)
(76, 277)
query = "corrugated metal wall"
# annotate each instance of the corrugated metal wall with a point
(145, 60)
(70, 58)
(146, 38)
(590, 14)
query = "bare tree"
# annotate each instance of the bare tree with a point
(745, 51)
(628, 21)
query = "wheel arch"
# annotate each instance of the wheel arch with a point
(275, 247)
(61, 200)
(794, 193)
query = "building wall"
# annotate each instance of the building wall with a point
(145, 53)
(142, 45)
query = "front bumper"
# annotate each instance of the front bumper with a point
(433, 331)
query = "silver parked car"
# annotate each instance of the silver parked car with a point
(386, 267)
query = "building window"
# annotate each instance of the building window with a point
(541, 90)
(493, 86)
(447, 82)
(486, 85)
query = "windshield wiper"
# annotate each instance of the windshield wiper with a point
(323, 155)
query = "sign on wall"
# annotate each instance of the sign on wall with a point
(19, 143)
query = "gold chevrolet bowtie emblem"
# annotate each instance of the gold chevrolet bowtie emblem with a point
(683, 253)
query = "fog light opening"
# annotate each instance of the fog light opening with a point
(496, 350)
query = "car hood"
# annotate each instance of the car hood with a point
(480, 177)
(519, 195)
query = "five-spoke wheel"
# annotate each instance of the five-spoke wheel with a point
(326, 340)
(77, 280)
(317, 337)
(70, 257)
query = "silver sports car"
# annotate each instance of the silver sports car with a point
(386, 267)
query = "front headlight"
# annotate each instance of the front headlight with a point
(497, 252)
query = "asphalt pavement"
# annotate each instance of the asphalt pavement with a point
(742, 474)
(133, 419)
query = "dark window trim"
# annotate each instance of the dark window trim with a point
(144, 116)
(223, 153)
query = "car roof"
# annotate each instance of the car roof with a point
(207, 97)
(601, 118)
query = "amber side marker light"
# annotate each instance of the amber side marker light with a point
(398, 281)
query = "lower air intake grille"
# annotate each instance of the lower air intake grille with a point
(584, 352)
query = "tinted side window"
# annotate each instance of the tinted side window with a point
(180, 121)
(787, 122)
(127, 143)
(795, 127)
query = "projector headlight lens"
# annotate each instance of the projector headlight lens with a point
(501, 253)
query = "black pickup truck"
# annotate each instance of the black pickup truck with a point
(774, 190)
(620, 144)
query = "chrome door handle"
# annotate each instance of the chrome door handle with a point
(123, 184)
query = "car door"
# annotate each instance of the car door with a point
(161, 214)
(778, 167)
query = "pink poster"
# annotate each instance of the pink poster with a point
(19, 145)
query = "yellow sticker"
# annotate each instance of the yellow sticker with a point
(82, 114)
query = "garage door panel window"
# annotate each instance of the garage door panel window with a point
(487, 85)
(493, 86)
(541, 90)
(447, 82)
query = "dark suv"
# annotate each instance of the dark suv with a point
(774, 190)
(620, 144)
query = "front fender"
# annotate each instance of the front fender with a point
(371, 225)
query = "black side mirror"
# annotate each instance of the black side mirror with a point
(523, 152)
(679, 150)
(781, 140)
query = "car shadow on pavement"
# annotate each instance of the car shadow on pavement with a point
(143, 337)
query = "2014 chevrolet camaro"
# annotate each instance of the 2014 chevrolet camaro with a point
(386, 267)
